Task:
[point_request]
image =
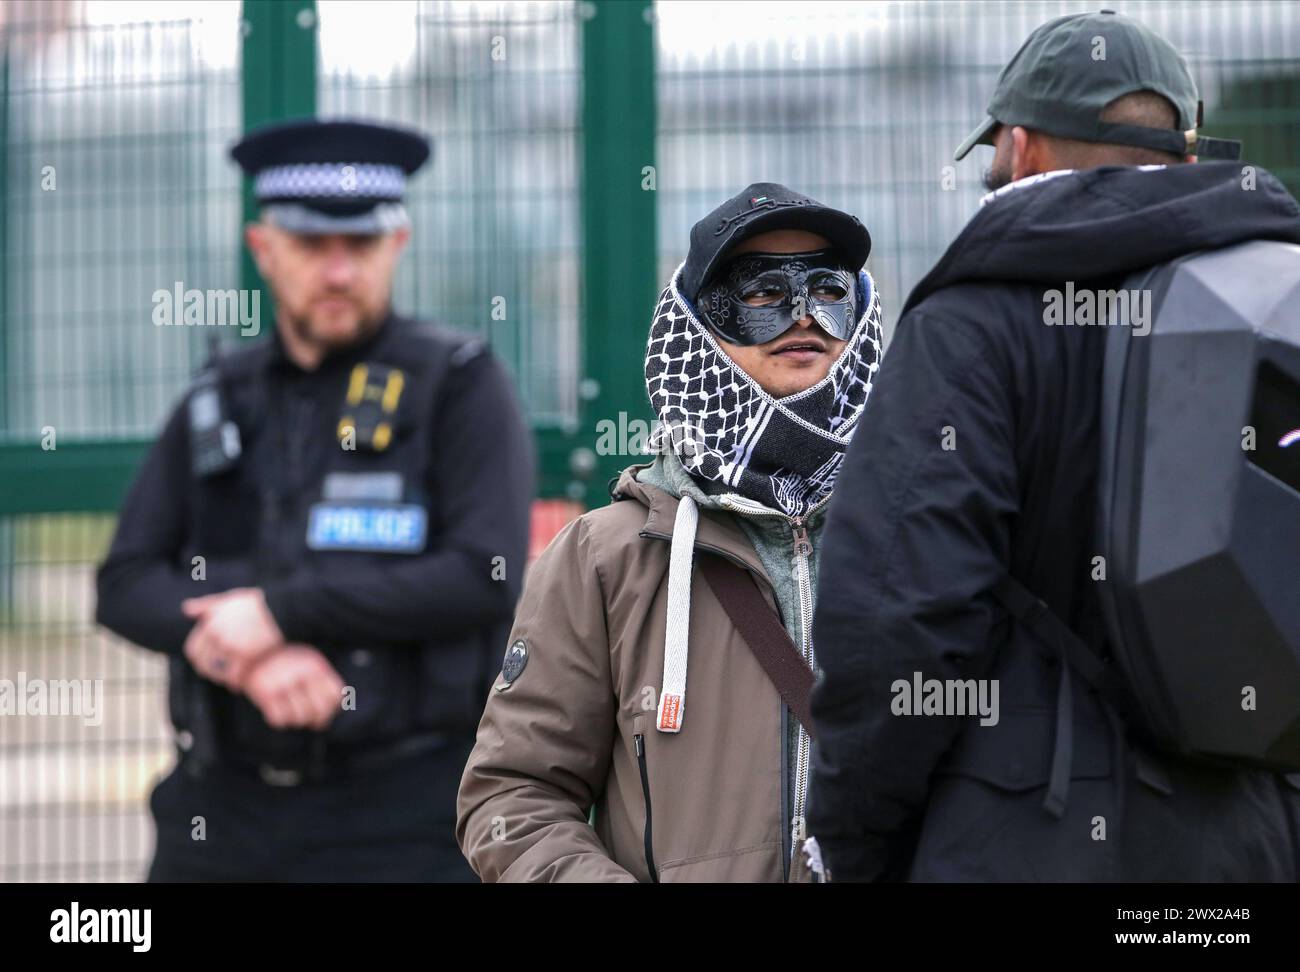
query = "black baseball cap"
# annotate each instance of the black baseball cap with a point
(1072, 67)
(331, 176)
(765, 206)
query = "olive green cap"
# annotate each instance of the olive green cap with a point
(1072, 67)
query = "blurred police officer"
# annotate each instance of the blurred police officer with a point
(327, 541)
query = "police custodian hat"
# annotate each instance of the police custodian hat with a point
(340, 176)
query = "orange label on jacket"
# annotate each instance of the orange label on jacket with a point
(670, 713)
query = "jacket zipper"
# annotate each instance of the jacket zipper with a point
(638, 741)
(803, 581)
(803, 587)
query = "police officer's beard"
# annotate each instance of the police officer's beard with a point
(305, 332)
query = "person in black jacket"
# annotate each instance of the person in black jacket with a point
(327, 542)
(977, 458)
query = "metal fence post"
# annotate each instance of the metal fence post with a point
(6, 524)
(279, 81)
(618, 218)
(5, 265)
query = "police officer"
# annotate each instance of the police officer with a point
(327, 542)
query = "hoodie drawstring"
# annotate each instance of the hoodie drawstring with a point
(672, 694)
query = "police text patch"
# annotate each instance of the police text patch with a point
(379, 528)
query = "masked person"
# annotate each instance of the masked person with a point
(313, 543)
(979, 462)
(761, 356)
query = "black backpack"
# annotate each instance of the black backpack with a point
(1199, 512)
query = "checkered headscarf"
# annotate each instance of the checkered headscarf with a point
(781, 452)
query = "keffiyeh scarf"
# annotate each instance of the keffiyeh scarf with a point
(781, 452)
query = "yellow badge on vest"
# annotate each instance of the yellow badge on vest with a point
(370, 408)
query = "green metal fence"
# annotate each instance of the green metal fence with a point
(113, 186)
(575, 144)
(862, 104)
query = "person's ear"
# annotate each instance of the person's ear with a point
(401, 237)
(257, 236)
(1022, 147)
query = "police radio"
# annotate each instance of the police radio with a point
(214, 439)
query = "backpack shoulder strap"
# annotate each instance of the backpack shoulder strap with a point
(763, 632)
(1073, 655)
(1033, 612)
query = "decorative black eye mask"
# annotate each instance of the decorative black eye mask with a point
(759, 296)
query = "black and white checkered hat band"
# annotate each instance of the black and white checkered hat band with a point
(334, 180)
(300, 218)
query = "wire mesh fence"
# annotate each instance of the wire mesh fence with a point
(115, 184)
(87, 732)
(496, 222)
(862, 105)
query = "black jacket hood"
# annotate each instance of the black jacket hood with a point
(1114, 220)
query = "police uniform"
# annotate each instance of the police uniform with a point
(381, 503)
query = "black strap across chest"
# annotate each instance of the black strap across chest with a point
(763, 632)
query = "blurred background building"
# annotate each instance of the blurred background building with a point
(575, 145)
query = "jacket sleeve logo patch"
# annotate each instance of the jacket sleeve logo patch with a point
(516, 659)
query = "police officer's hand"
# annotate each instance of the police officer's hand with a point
(235, 629)
(295, 687)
